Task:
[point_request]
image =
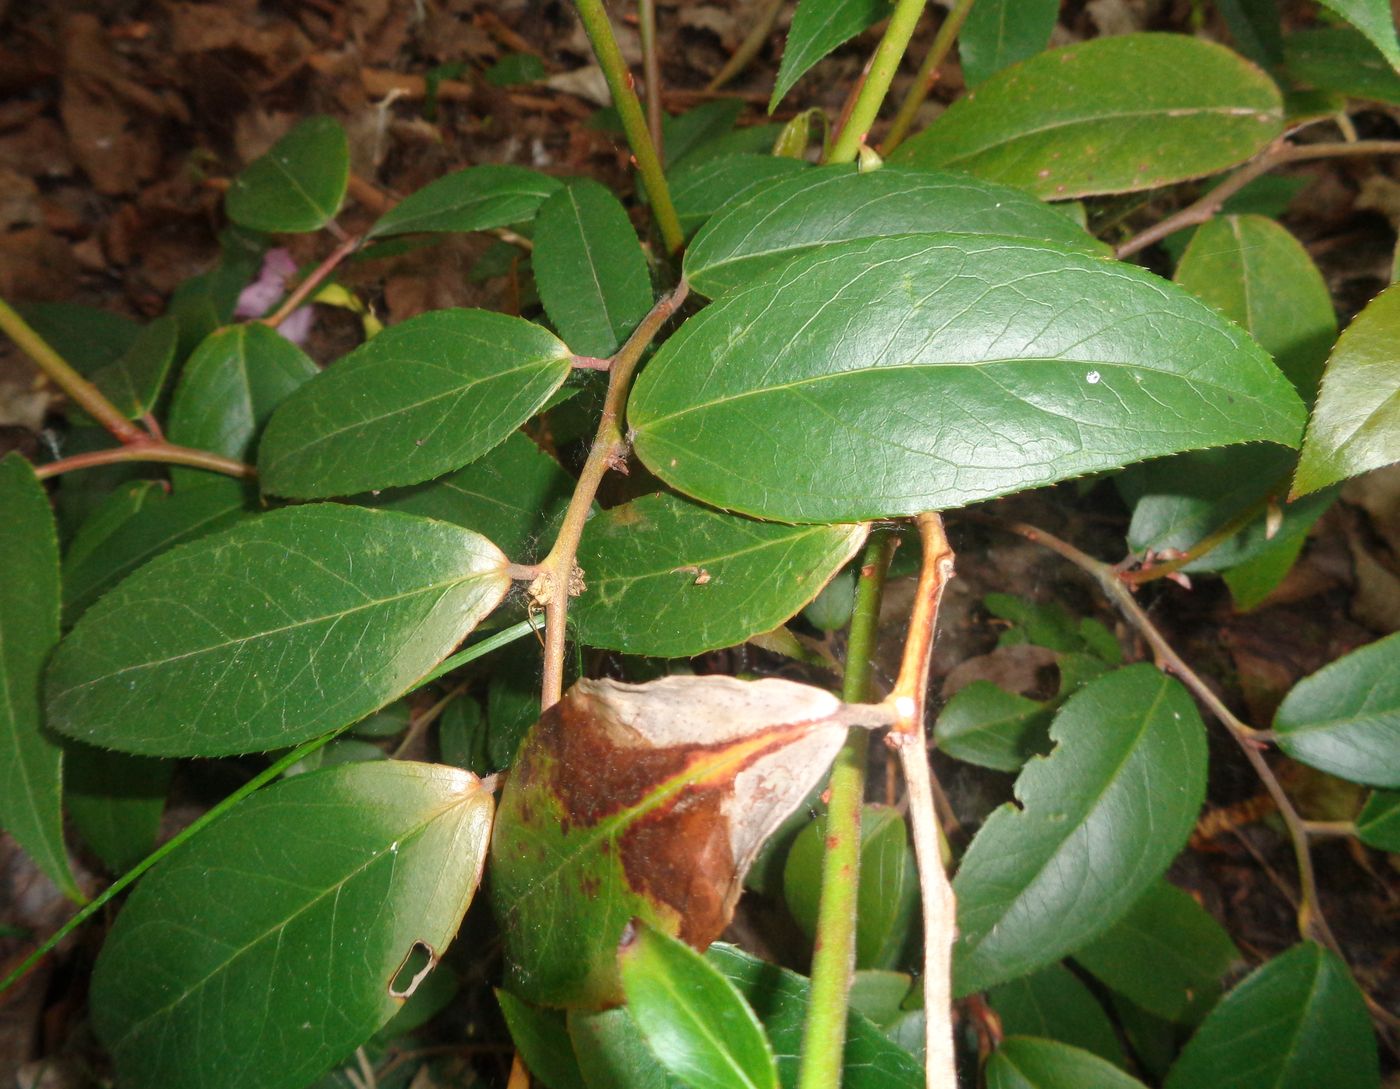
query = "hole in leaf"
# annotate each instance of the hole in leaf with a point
(412, 970)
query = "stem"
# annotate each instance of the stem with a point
(907, 738)
(1277, 154)
(1329, 828)
(929, 72)
(149, 450)
(79, 389)
(651, 72)
(266, 775)
(1208, 543)
(556, 571)
(624, 96)
(882, 69)
(1311, 922)
(833, 956)
(749, 47)
(313, 281)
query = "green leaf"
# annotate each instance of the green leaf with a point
(272, 632)
(475, 199)
(1345, 718)
(627, 801)
(298, 185)
(962, 367)
(133, 383)
(693, 1018)
(98, 560)
(613, 1054)
(672, 579)
(542, 1038)
(1047, 625)
(1023, 1062)
(1099, 820)
(85, 336)
(829, 204)
(1252, 581)
(116, 802)
(1342, 60)
(1000, 33)
(887, 891)
(422, 398)
(1164, 954)
(589, 268)
(986, 725)
(1375, 20)
(1255, 273)
(1256, 29)
(704, 189)
(269, 946)
(1356, 423)
(1296, 1023)
(227, 391)
(31, 764)
(1110, 115)
(514, 69)
(880, 994)
(780, 998)
(1053, 1003)
(697, 127)
(818, 27)
(513, 496)
(1378, 824)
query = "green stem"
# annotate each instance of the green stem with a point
(651, 72)
(882, 69)
(833, 958)
(927, 77)
(147, 450)
(83, 392)
(634, 124)
(258, 781)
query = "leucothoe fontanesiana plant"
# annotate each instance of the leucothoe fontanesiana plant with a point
(814, 360)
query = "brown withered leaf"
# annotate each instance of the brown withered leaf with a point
(645, 801)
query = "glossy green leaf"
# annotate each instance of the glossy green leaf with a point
(388, 721)
(1163, 954)
(887, 892)
(818, 27)
(695, 128)
(1345, 718)
(1252, 581)
(1099, 820)
(1356, 423)
(1376, 20)
(672, 579)
(31, 764)
(589, 267)
(880, 994)
(1255, 29)
(780, 998)
(227, 391)
(1378, 824)
(133, 383)
(542, 1038)
(272, 632)
(1000, 33)
(422, 398)
(475, 199)
(1342, 60)
(704, 189)
(269, 946)
(513, 496)
(986, 725)
(1024, 1062)
(115, 802)
(298, 185)
(899, 353)
(98, 561)
(85, 336)
(613, 1054)
(692, 1017)
(627, 801)
(1298, 1022)
(1258, 275)
(829, 204)
(1110, 115)
(1054, 1004)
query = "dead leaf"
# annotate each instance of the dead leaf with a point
(646, 800)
